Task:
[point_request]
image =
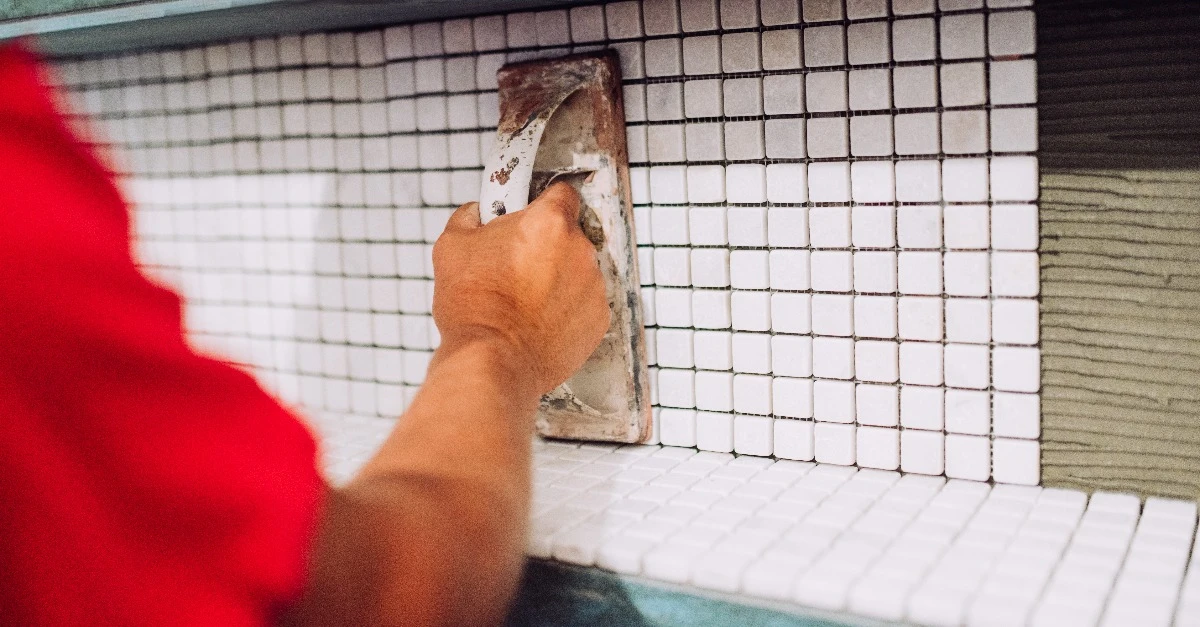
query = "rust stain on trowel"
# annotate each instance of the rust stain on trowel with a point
(578, 99)
(501, 176)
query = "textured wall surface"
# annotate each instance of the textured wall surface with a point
(1120, 150)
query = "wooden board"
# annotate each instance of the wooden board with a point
(1120, 211)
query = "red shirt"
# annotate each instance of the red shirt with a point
(140, 483)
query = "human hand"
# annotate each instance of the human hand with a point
(527, 283)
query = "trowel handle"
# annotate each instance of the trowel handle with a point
(508, 171)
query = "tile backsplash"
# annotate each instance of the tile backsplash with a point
(835, 203)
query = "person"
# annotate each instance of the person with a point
(142, 483)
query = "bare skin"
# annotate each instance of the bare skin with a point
(432, 530)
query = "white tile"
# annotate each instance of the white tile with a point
(783, 93)
(671, 267)
(826, 92)
(698, 15)
(669, 226)
(964, 132)
(869, 90)
(1014, 130)
(833, 401)
(1011, 33)
(750, 311)
(833, 314)
(1015, 321)
(674, 348)
(1013, 82)
(966, 226)
(966, 273)
(831, 271)
(878, 447)
(916, 181)
(877, 405)
(744, 140)
(705, 183)
(702, 99)
(917, 134)
(874, 271)
(781, 49)
(1016, 415)
(678, 427)
(702, 55)
(624, 19)
(921, 363)
(676, 388)
(789, 269)
(963, 84)
(713, 350)
(664, 101)
(922, 452)
(919, 226)
(824, 46)
(668, 184)
(873, 181)
(672, 306)
(791, 355)
(968, 457)
(787, 183)
(834, 443)
(707, 225)
(919, 273)
(833, 357)
(968, 320)
(962, 36)
(1017, 368)
(747, 226)
(710, 267)
(875, 316)
(739, 14)
(714, 431)
(742, 96)
(740, 52)
(745, 183)
(868, 43)
(660, 17)
(714, 391)
(822, 10)
(1014, 178)
(829, 182)
(752, 353)
(922, 407)
(871, 136)
(749, 269)
(913, 39)
(792, 398)
(711, 309)
(827, 137)
(916, 86)
(919, 318)
(664, 143)
(663, 57)
(753, 435)
(793, 439)
(861, 9)
(553, 28)
(967, 366)
(874, 227)
(968, 411)
(791, 313)
(1016, 461)
(1015, 274)
(587, 24)
(877, 361)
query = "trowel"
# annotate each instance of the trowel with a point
(562, 119)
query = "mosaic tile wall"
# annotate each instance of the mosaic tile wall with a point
(836, 211)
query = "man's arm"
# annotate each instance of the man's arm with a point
(432, 530)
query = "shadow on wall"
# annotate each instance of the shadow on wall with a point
(1120, 248)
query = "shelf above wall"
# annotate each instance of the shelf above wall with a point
(94, 27)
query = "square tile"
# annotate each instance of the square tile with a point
(868, 43)
(832, 315)
(789, 269)
(878, 447)
(792, 398)
(660, 17)
(1011, 33)
(698, 15)
(916, 86)
(783, 93)
(913, 40)
(713, 350)
(714, 391)
(703, 98)
(791, 356)
(834, 443)
(874, 226)
(740, 52)
(752, 353)
(663, 57)
(964, 132)
(793, 439)
(705, 142)
(743, 96)
(791, 313)
(781, 49)
(824, 46)
(833, 401)
(963, 85)
(871, 136)
(827, 138)
(714, 432)
(702, 55)
(922, 407)
(826, 92)
(739, 14)
(870, 89)
(785, 138)
(744, 140)
(1014, 130)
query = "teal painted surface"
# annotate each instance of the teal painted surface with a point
(558, 595)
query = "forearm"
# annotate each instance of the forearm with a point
(432, 529)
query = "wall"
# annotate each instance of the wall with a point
(838, 241)
(1120, 244)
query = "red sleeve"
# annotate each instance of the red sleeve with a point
(140, 483)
